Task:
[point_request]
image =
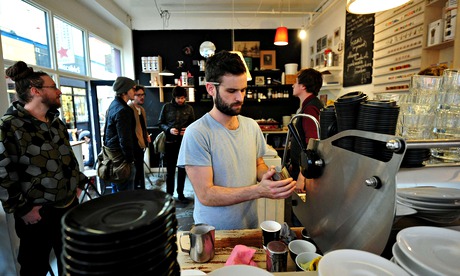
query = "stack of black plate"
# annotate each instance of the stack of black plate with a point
(126, 233)
(379, 117)
(415, 157)
(347, 110)
(328, 122)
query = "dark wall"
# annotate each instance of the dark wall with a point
(170, 44)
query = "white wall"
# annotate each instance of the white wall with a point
(3, 93)
(326, 24)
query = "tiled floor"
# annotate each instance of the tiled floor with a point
(184, 212)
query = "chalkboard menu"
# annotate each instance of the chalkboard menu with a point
(359, 45)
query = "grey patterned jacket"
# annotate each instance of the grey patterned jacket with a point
(37, 164)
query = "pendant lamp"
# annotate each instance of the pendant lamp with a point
(166, 72)
(372, 6)
(302, 33)
(248, 73)
(281, 36)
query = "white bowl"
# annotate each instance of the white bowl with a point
(305, 257)
(299, 246)
(232, 270)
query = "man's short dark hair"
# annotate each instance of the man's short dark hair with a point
(312, 79)
(179, 91)
(223, 63)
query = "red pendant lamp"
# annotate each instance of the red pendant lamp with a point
(281, 36)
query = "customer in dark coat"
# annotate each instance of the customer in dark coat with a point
(175, 117)
(119, 131)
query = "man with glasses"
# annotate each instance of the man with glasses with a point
(223, 153)
(40, 178)
(143, 138)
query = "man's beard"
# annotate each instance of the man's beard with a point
(225, 108)
(52, 103)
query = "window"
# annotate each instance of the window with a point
(75, 110)
(24, 41)
(105, 59)
(70, 53)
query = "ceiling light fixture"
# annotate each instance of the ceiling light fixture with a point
(281, 36)
(302, 33)
(373, 6)
(248, 73)
(166, 72)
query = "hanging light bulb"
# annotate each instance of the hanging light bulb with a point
(372, 6)
(302, 33)
(281, 36)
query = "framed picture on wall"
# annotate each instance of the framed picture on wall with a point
(260, 80)
(247, 48)
(267, 59)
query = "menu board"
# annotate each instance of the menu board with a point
(359, 46)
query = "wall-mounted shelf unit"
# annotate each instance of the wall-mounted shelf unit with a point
(447, 51)
(331, 77)
(398, 41)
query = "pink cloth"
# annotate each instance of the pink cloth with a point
(241, 254)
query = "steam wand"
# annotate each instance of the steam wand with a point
(310, 163)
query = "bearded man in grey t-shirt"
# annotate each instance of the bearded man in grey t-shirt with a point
(223, 153)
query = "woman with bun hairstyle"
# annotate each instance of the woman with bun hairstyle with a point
(40, 178)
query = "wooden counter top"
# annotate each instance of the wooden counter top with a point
(226, 240)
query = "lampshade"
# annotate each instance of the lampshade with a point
(302, 33)
(248, 74)
(281, 36)
(166, 72)
(372, 6)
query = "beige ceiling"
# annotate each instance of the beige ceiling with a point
(214, 8)
(220, 6)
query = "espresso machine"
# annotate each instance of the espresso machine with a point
(350, 200)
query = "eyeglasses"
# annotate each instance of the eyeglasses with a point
(46, 86)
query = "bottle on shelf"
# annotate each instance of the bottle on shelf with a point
(184, 78)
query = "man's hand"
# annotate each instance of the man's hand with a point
(276, 189)
(33, 216)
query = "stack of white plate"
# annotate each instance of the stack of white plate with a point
(346, 262)
(424, 250)
(435, 204)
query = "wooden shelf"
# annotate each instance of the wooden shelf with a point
(440, 46)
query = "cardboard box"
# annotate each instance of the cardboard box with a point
(290, 79)
(435, 32)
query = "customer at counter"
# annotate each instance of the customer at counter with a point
(222, 153)
(40, 178)
(306, 88)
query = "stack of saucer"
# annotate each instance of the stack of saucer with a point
(424, 250)
(127, 233)
(435, 204)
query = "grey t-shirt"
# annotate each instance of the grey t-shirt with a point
(232, 154)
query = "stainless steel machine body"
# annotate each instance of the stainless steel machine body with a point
(352, 204)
